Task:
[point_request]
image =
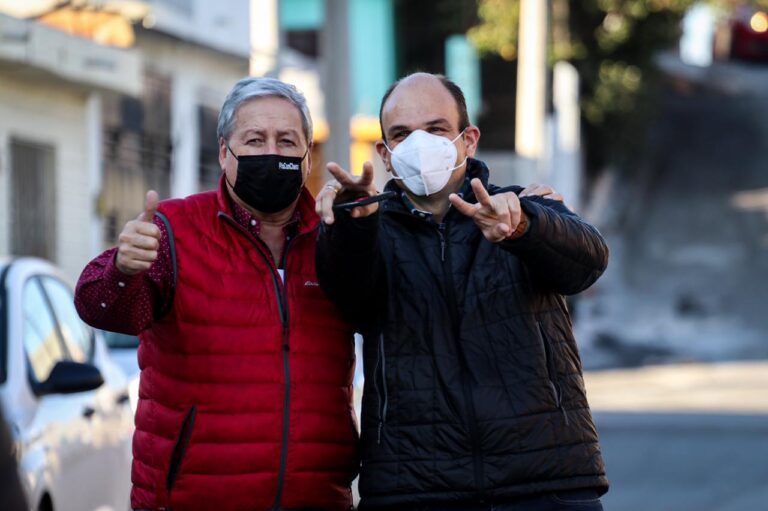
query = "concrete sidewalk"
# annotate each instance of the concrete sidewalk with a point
(716, 388)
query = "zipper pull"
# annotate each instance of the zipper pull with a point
(441, 232)
(559, 395)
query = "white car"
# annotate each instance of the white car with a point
(65, 401)
(123, 350)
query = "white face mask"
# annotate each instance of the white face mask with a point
(425, 162)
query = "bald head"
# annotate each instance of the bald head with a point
(423, 92)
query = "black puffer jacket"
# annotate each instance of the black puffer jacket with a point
(473, 382)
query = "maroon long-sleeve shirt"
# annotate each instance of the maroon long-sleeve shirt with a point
(111, 300)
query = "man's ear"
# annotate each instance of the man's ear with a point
(471, 139)
(222, 153)
(381, 148)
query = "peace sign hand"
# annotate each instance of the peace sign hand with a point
(345, 186)
(497, 216)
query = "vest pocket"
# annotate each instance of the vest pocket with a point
(180, 449)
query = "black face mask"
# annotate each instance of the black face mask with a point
(268, 182)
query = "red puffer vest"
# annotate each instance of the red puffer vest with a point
(246, 383)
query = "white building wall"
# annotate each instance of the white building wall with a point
(95, 143)
(223, 25)
(46, 112)
(38, 107)
(199, 76)
(212, 73)
(5, 177)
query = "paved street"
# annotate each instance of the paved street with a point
(687, 283)
(690, 437)
(666, 462)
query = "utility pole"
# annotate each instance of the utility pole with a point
(336, 82)
(94, 128)
(265, 38)
(531, 101)
(566, 162)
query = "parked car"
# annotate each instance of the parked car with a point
(123, 348)
(744, 36)
(65, 400)
(123, 351)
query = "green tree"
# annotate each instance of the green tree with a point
(612, 43)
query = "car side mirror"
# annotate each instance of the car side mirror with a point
(68, 377)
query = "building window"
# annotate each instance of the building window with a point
(137, 152)
(300, 23)
(306, 42)
(184, 7)
(33, 199)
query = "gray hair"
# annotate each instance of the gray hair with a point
(253, 87)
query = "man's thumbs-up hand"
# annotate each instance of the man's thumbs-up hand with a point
(150, 207)
(139, 241)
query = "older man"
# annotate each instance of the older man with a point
(245, 393)
(473, 398)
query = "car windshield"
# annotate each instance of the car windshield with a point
(120, 341)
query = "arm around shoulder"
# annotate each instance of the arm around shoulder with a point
(350, 267)
(563, 252)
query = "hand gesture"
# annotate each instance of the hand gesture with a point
(139, 241)
(497, 216)
(346, 187)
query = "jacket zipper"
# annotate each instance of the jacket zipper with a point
(381, 361)
(282, 304)
(554, 381)
(442, 230)
(287, 371)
